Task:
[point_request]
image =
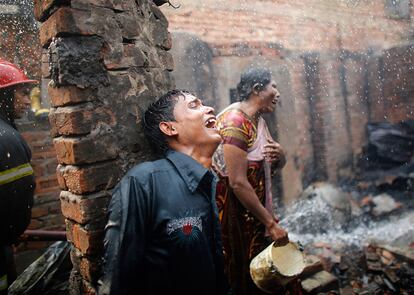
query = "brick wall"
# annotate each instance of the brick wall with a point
(313, 25)
(391, 87)
(107, 61)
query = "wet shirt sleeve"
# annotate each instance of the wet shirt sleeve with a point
(236, 129)
(125, 238)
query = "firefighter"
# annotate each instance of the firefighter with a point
(16, 174)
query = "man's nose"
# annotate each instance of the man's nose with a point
(26, 100)
(208, 109)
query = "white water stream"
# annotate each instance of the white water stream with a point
(310, 222)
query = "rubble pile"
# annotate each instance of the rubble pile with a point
(375, 270)
(359, 236)
(315, 279)
(371, 254)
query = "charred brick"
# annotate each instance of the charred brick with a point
(77, 61)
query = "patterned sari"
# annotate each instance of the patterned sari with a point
(242, 234)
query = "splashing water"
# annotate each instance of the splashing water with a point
(309, 222)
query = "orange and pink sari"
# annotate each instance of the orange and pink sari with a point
(242, 234)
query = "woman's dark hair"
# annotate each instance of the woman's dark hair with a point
(7, 105)
(162, 110)
(249, 78)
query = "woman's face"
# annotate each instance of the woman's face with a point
(21, 100)
(270, 96)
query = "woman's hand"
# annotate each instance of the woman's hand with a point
(278, 234)
(273, 152)
(237, 164)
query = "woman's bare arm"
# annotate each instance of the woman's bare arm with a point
(237, 163)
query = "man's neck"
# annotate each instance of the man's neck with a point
(203, 160)
(201, 155)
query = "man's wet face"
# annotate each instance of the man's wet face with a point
(21, 100)
(195, 122)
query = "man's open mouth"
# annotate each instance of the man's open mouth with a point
(211, 123)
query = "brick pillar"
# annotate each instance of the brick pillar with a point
(107, 61)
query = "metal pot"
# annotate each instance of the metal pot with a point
(275, 266)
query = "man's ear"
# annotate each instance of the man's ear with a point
(168, 128)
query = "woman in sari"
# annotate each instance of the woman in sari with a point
(243, 162)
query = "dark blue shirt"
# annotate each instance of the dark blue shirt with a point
(163, 234)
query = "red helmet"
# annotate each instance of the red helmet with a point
(11, 75)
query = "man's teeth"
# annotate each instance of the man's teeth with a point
(211, 123)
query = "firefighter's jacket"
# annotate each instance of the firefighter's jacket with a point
(16, 184)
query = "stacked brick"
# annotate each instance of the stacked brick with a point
(107, 61)
(313, 25)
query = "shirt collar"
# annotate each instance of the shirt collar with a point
(189, 169)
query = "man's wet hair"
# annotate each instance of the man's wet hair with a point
(249, 78)
(162, 110)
